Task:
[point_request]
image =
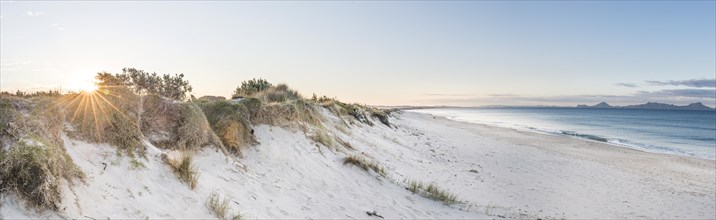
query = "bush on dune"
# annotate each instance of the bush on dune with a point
(110, 115)
(176, 125)
(32, 158)
(230, 121)
(34, 171)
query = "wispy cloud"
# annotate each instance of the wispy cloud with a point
(691, 93)
(447, 94)
(34, 13)
(630, 85)
(698, 83)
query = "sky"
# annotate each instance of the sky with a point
(464, 53)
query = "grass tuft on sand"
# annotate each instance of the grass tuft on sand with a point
(431, 191)
(365, 164)
(183, 165)
(220, 207)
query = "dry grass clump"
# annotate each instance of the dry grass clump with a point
(431, 191)
(278, 93)
(183, 166)
(364, 164)
(320, 136)
(33, 170)
(176, 125)
(286, 113)
(218, 206)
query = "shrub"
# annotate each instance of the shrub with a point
(33, 169)
(230, 121)
(365, 165)
(109, 115)
(167, 86)
(183, 166)
(251, 87)
(176, 125)
(194, 130)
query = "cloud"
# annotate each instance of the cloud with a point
(697, 83)
(34, 13)
(690, 93)
(630, 85)
(446, 94)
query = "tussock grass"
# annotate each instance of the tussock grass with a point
(220, 207)
(320, 136)
(183, 166)
(364, 164)
(278, 93)
(431, 191)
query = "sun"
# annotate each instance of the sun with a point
(88, 87)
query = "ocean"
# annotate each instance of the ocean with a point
(691, 133)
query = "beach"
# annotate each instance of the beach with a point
(557, 175)
(494, 172)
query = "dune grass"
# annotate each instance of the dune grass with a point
(431, 191)
(183, 166)
(365, 164)
(220, 207)
(320, 136)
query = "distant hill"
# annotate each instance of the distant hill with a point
(654, 105)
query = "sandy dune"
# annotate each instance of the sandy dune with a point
(495, 172)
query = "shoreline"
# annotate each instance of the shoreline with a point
(561, 176)
(573, 137)
(581, 136)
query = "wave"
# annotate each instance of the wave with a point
(615, 141)
(592, 137)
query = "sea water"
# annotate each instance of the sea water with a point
(691, 133)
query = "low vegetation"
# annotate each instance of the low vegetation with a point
(32, 158)
(220, 207)
(33, 170)
(364, 164)
(356, 112)
(183, 166)
(431, 191)
(230, 122)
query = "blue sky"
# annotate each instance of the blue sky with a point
(383, 53)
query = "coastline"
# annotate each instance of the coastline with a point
(590, 179)
(701, 149)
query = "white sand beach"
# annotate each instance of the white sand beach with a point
(495, 173)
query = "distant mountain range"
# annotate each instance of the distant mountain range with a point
(654, 105)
